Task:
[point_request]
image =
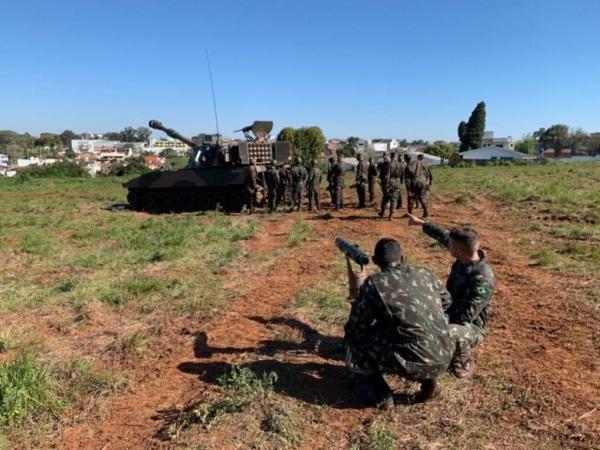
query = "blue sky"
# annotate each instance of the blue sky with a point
(407, 69)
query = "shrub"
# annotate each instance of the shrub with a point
(63, 169)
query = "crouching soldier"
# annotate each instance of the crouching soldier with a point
(397, 325)
(471, 285)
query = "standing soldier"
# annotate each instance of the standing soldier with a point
(421, 179)
(330, 187)
(360, 180)
(337, 177)
(251, 186)
(393, 194)
(272, 184)
(372, 176)
(384, 181)
(408, 183)
(313, 186)
(298, 180)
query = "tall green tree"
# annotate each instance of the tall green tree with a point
(287, 134)
(578, 139)
(142, 134)
(528, 145)
(66, 137)
(350, 147)
(471, 133)
(556, 137)
(463, 136)
(309, 143)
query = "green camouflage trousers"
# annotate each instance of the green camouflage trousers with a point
(465, 336)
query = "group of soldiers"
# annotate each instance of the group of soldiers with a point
(286, 186)
(405, 321)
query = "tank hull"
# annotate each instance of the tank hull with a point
(189, 190)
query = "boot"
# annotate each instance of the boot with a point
(429, 390)
(374, 391)
(462, 364)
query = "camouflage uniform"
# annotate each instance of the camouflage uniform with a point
(420, 179)
(284, 196)
(337, 178)
(272, 185)
(372, 177)
(359, 182)
(299, 176)
(313, 186)
(471, 286)
(397, 324)
(250, 184)
(384, 181)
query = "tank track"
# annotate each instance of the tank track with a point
(157, 202)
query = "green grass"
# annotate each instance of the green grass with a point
(324, 302)
(299, 233)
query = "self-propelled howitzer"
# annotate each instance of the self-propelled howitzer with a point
(214, 176)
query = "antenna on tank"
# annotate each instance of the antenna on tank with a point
(212, 88)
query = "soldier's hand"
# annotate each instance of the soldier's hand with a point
(414, 220)
(355, 280)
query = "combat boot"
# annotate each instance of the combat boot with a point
(430, 389)
(374, 391)
(462, 364)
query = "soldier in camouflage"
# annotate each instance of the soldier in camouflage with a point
(272, 185)
(397, 325)
(360, 181)
(299, 176)
(420, 178)
(337, 178)
(471, 284)
(393, 194)
(330, 187)
(251, 186)
(372, 177)
(313, 186)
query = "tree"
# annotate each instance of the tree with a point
(129, 134)
(528, 145)
(350, 147)
(579, 139)
(309, 143)
(49, 140)
(287, 134)
(594, 143)
(66, 137)
(471, 132)
(142, 134)
(112, 136)
(440, 148)
(168, 153)
(556, 137)
(463, 136)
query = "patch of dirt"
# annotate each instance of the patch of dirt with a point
(541, 335)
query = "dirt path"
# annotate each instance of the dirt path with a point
(538, 337)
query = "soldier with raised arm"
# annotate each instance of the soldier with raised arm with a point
(471, 285)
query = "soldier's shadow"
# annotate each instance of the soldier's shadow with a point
(313, 382)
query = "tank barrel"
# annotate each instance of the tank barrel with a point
(155, 124)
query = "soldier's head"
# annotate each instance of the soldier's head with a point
(463, 243)
(386, 157)
(273, 162)
(406, 158)
(387, 251)
(252, 162)
(393, 156)
(420, 156)
(371, 160)
(359, 157)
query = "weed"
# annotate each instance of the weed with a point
(65, 286)
(282, 422)
(80, 380)
(377, 438)
(243, 382)
(299, 233)
(546, 258)
(26, 388)
(128, 345)
(325, 302)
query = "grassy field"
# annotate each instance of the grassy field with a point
(87, 294)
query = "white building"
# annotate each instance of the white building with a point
(4, 160)
(431, 160)
(490, 141)
(35, 161)
(491, 154)
(98, 145)
(384, 145)
(158, 145)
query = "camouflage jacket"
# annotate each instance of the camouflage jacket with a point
(470, 284)
(384, 173)
(406, 304)
(314, 179)
(419, 174)
(361, 173)
(271, 178)
(251, 180)
(396, 174)
(337, 175)
(299, 175)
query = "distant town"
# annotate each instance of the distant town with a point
(98, 153)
